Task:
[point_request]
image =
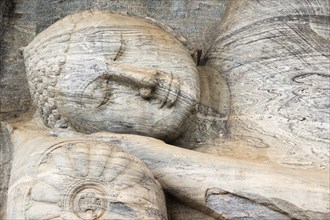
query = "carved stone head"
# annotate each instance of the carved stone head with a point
(97, 71)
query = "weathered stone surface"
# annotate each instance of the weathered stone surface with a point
(6, 152)
(14, 99)
(276, 64)
(178, 211)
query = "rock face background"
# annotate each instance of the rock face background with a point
(275, 56)
(5, 158)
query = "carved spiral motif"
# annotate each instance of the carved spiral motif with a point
(92, 180)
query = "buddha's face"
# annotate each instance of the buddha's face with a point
(126, 76)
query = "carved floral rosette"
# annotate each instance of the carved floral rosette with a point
(92, 180)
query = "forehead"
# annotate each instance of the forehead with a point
(106, 36)
(139, 45)
(97, 31)
(114, 43)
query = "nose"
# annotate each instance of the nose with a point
(138, 76)
(152, 83)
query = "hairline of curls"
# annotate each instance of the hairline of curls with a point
(43, 66)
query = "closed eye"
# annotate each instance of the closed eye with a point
(120, 50)
(106, 97)
(96, 93)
